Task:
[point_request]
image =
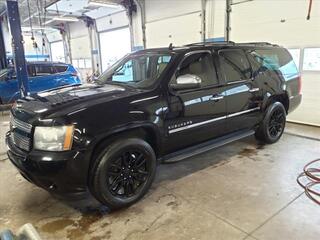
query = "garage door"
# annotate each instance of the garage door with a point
(114, 45)
(172, 32)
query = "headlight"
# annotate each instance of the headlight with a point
(53, 138)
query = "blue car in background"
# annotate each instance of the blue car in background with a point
(42, 76)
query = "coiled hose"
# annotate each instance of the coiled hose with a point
(311, 173)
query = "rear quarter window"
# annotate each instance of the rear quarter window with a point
(44, 70)
(275, 59)
(61, 68)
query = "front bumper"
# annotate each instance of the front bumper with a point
(63, 173)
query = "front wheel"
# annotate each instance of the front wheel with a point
(123, 173)
(273, 124)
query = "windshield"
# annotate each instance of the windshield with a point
(137, 71)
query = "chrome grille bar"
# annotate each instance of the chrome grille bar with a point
(26, 127)
(20, 141)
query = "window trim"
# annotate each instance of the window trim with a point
(188, 54)
(223, 73)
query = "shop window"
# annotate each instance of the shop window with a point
(311, 59)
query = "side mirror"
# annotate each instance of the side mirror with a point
(187, 81)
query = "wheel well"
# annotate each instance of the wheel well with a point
(145, 133)
(283, 98)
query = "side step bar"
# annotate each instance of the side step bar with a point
(206, 146)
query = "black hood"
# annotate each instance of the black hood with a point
(70, 97)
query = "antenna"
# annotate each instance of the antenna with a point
(170, 46)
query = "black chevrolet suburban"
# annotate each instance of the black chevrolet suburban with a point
(154, 105)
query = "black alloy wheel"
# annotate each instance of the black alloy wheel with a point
(123, 172)
(272, 126)
(127, 173)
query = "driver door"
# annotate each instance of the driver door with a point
(196, 114)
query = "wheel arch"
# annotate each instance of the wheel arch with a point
(282, 97)
(147, 132)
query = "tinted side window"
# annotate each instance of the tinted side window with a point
(276, 59)
(44, 70)
(201, 65)
(234, 65)
(60, 68)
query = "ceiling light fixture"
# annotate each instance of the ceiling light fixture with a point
(66, 19)
(101, 4)
(28, 29)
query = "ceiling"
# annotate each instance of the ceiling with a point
(43, 13)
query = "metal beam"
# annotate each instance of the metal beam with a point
(3, 55)
(17, 47)
(228, 25)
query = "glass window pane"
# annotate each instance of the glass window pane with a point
(276, 59)
(311, 59)
(57, 52)
(137, 71)
(44, 70)
(114, 45)
(235, 65)
(202, 66)
(61, 68)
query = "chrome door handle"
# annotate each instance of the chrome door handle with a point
(216, 97)
(254, 90)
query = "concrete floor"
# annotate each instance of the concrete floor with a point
(239, 191)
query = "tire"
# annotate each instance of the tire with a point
(272, 126)
(123, 173)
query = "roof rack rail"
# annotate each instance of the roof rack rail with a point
(259, 43)
(209, 43)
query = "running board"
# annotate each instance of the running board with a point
(206, 146)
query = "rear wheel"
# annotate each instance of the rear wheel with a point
(123, 173)
(273, 124)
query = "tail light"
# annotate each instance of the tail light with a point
(299, 84)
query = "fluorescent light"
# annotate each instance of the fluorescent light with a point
(28, 29)
(101, 4)
(66, 19)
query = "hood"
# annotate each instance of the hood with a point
(67, 98)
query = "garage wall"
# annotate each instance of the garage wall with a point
(32, 54)
(283, 22)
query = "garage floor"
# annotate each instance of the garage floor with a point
(239, 191)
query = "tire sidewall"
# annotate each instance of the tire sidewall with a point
(100, 189)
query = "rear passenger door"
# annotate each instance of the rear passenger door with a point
(196, 115)
(43, 79)
(243, 94)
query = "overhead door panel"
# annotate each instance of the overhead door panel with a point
(178, 30)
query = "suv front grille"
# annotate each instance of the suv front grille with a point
(20, 141)
(26, 127)
(20, 133)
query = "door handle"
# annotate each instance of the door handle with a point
(216, 98)
(254, 90)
